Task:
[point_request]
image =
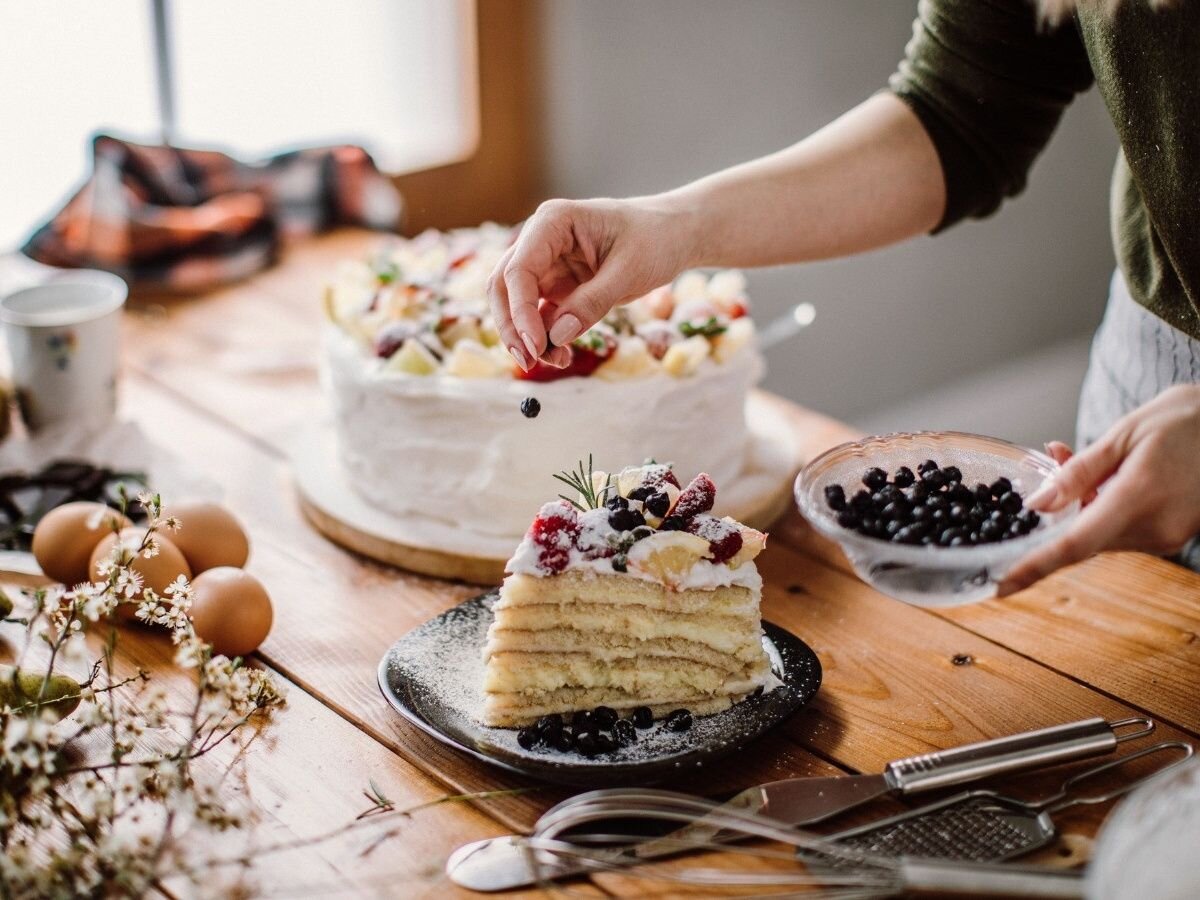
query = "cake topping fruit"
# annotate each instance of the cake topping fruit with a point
(932, 508)
(679, 720)
(698, 497)
(530, 407)
(642, 717)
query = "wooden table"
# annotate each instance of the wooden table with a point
(228, 380)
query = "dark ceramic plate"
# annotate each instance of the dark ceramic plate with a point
(432, 676)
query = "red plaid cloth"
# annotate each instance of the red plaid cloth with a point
(186, 220)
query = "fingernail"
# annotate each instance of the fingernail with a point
(530, 345)
(560, 358)
(1044, 496)
(565, 330)
(519, 355)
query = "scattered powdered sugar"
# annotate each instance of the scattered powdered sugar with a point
(435, 677)
(711, 528)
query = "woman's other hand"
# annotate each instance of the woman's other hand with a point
(574, 261)
(1140, 483)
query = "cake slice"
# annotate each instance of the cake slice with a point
(631, 594)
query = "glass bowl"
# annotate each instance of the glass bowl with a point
(929, 575)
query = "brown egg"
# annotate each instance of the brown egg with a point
(157, 571)
(66, 536)
(230, 610)
(209, 536)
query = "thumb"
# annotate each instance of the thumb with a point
(1079, 476)
(584, 306)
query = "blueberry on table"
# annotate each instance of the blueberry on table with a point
(874, 478)
(679, 720)
(530, 407)
(604, 716)
(835, 496)
(904, 477)
(527, 738)
(642, 717)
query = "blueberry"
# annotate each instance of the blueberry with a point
(897, 510)
(958, 512)
(937, 501)
(605, 744)
(1000, 487)
(564, 741)
(1014, 529)
(548, 728)
(874, 478)
(581, 721)
(679, 720)
(928, 466)
(847, 518)
(641, 492)
(921, 513)
(990, 531)
(861, 501)
(604, 716)
(672, 523)
(1029, 518)
(642, 717)
(904, 477)
(620, 563)
(615, 502)
(983, 493)
(625, 733)
(950, 535)
(909, 534)
(835, 496)
(586, 744)
(953, 474)
(530, 407)
(1010, 502)
(527, 738)
(641, 533)
(964, 495)
(626, 519)
(658, 504)
(892, 528)
(934, 478)
(958, 541)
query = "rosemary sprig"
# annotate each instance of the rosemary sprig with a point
(581, 481)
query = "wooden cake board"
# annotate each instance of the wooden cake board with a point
(759, 497)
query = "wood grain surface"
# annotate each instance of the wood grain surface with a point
(228, 381)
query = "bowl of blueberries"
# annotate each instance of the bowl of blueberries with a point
(934, 518)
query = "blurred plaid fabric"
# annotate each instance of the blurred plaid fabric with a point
(178, 220)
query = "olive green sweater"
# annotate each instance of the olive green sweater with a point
(989, 86)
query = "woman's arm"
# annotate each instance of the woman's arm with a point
(869, 179)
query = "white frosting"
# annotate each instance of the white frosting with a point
(459, 451)
(703, 576)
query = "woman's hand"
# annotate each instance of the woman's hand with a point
(576, 260)
(1144, 476)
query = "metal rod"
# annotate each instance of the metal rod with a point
(164, 75)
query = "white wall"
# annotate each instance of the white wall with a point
(645, 95)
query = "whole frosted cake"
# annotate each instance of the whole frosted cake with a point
(428, 404)
(629, 594)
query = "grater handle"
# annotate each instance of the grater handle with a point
(931, 877)
(1015, 753)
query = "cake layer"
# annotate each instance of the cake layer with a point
(534, 672)
(631, 624)
(614, 646)
(515, 710)
(458, 450)
(617, 590)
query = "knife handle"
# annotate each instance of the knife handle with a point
(1015, 753)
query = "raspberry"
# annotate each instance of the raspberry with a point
(698, 497)
(553, 560)
(724, 538)
(556, 526)
(584, 361)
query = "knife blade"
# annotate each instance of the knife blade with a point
(498, 864)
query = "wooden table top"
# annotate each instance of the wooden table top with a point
(229, 380)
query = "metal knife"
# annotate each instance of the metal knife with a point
(499, 864)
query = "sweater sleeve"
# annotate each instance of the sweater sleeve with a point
(989, 85)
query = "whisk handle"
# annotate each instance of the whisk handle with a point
(970, 879)
(1014, 753)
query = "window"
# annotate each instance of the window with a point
(398, 76)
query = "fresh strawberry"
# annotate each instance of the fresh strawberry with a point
(698, 497)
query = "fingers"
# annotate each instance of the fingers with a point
(1096, 529)
(1059, 452)
(1079, 476)
(497, 292)
(584, 306)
